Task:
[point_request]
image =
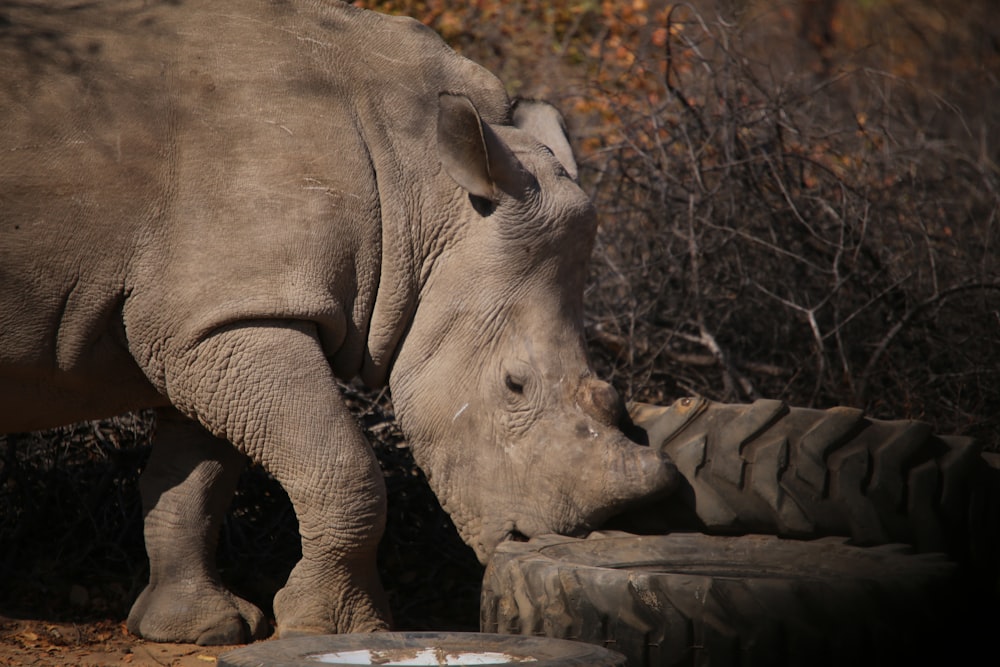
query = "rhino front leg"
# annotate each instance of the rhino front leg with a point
(186, 489)
(268, 388)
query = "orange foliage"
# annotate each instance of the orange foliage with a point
(597, 56)
(611, 63)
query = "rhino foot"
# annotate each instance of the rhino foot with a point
(195, 614)
(329, 609)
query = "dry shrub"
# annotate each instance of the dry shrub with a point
(795, 233)
(69, 503)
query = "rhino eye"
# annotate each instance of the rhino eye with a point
(514, 385)
(483, 206)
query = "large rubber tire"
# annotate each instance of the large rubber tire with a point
(420, 648)
(694, 599)
(797, 472)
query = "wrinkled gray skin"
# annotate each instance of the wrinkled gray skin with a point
(216, 207)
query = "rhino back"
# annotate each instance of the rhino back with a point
(171, 168)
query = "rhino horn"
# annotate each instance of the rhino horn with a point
(545, 123)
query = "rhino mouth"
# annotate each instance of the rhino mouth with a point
(485, 547)
(515, 536)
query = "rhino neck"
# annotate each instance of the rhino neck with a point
(395, 301)
(398, 124)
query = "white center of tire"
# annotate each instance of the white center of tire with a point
(425, 656)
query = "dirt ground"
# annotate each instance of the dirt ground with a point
(92, 644)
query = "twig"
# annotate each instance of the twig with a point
(904, 321)
(730, 377)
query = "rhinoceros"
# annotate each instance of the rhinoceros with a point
(215, 208)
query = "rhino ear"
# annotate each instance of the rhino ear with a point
(472, 153)
(544, 122)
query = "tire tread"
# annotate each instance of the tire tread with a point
(799, 472)
(676, 616)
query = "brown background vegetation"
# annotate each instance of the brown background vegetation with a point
(799, 200)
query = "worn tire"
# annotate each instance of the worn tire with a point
(694, 599)
(392, 648)
(805, 473)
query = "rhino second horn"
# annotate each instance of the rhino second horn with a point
(600, 401)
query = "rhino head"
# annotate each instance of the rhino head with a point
(492, 384)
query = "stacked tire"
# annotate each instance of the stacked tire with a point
(694, 599)
(895, 545)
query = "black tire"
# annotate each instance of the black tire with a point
(804, 473)
(389, 648)
(693, 599)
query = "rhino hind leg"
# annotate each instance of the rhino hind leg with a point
(186, 490)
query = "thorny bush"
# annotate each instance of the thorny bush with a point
(813, 236)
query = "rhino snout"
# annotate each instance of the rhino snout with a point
(637, 474)
(600, 401)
